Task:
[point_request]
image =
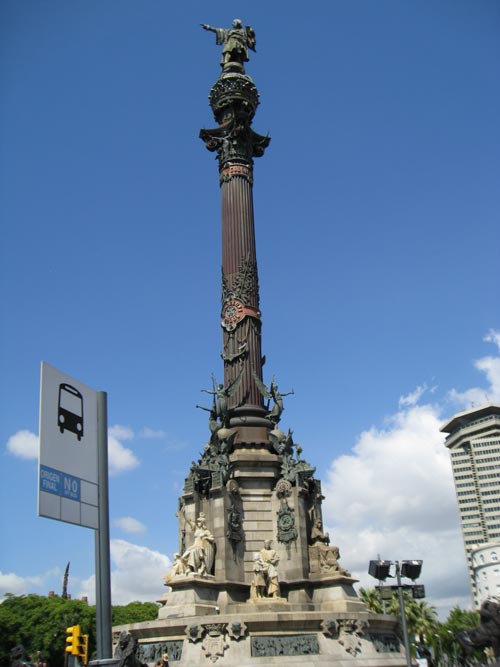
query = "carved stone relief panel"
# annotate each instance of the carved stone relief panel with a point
(267, 646)
(385, 643)
(153, 651)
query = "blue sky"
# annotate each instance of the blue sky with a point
(376, 207)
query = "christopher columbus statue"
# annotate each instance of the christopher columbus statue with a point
(236, 40)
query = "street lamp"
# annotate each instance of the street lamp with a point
(380, 569)
(411, 569)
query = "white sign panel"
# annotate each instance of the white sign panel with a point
(68, 479)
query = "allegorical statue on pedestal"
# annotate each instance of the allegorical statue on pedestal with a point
(323, 558)
(178, 569)
(236, 40)
(317, 534)
(265, 582)
(199, 557)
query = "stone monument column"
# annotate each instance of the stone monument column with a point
(234, 99)
(255, 578)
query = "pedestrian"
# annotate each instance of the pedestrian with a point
(164, 660)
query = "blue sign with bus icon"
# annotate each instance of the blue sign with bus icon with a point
(70, 410)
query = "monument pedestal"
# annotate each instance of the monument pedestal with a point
(266, 633)
(317, 621)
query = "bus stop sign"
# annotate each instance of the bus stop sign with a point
(67, 479)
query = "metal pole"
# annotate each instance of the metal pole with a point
(102, 558)
(403, 616)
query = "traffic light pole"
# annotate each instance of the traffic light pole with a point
(102, 557)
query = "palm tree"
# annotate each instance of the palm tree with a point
(421, 618)
(426, 620)
(371, 598)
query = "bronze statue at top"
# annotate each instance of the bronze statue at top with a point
(236, 40)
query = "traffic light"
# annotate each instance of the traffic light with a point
(72, 640)
(77, 644)
(83, 648)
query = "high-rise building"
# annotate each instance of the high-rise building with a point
(486, 564)
(474, 443)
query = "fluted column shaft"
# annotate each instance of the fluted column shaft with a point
(240, 281)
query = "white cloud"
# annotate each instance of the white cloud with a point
(490, 366)
(129, 525)
(120, 458)
(137, 574)
(13, 583)
(394, 497)
(412, 398)
(23, 444)
(121, 432)
(493, 337)
(17, 585)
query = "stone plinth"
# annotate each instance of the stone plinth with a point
(261, 635)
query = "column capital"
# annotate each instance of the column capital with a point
(234, 99)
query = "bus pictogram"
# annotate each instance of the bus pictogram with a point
(70, 410)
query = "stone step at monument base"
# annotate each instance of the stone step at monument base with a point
(337, 606)
(258, 636)
(184, 610)
(333, 593)
(267, 605)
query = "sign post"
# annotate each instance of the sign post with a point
(73, 474)
(102, 556)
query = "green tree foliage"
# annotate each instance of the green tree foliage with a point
(371, 598)
(39, 624)
(458, 620)
(421, 618)
(134, 612)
